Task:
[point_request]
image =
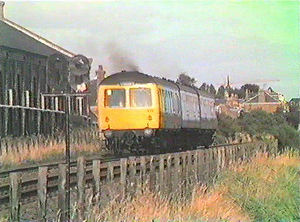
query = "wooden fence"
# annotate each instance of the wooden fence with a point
(24, 121)
(163, 173)
(46, 119)
(26, 105)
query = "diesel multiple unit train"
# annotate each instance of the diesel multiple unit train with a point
(146, 114)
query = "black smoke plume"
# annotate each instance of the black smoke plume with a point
(120, 59)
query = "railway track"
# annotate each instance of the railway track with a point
(29, 183)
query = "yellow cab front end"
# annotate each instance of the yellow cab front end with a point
(128, 107)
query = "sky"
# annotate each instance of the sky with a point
(251, 41)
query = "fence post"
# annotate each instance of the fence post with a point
(132, 175)
(211, 163)
(42, 193)
(177, 174)
(218, 159)
(202, 166)
(194, 165)
(189, 170)
(15, 196)
(222, 164)
(81, 187)
(169, 174)
(123, 169)
(189, 164)
(62, 177)
(229, 155)
(97, 181)
(110, 172)
(161, 172)
(152, 178)
(143, 171)
(184, 169)
(235, 154)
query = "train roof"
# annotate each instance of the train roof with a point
(141, 78)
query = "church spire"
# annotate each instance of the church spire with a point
(227, 82)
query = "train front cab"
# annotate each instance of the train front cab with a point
(124, 108)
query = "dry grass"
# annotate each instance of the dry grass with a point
(44, 153)
(144, 207)
(263, 190)
(214, 206)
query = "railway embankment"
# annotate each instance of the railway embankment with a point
(96, 184)
(265, 188)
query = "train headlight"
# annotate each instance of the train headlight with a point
(148, 132)
(108, 133)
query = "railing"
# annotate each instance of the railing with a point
(23, 121)
(163, 173)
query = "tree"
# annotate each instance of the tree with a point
(253, 88)
(239, 92)
(185, 79)
(261, 122)
(221, 92)
(204, 87)
(293, 118)
(212, 89)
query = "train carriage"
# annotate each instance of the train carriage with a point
(146, 114)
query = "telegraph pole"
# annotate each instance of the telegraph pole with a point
(67, 154)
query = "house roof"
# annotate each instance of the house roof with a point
(220, 101)
(15, 36)
(296, 100)
(267, 98)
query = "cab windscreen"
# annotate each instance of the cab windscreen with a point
(140, 97)
(115, 98)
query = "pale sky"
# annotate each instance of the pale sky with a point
(247, 40)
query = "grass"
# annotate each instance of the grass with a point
(44, 154)
(47, 154)
(83, 142)
(265, 189)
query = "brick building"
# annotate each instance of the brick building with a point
(230, 105)
(265, 100)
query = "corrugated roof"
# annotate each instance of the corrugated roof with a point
(15, 36)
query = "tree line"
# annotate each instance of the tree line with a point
(219, 93)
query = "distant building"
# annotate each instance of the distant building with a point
(229, 106)
(294, 104)
(266, 100)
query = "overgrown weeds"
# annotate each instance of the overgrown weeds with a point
(264, 189)
(44, 153)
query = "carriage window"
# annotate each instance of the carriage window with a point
(140, 97)
(115, 98)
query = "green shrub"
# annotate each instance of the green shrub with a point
(257, 123)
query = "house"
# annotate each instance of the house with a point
(266, 100)
(294, 104)
(229, 106)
